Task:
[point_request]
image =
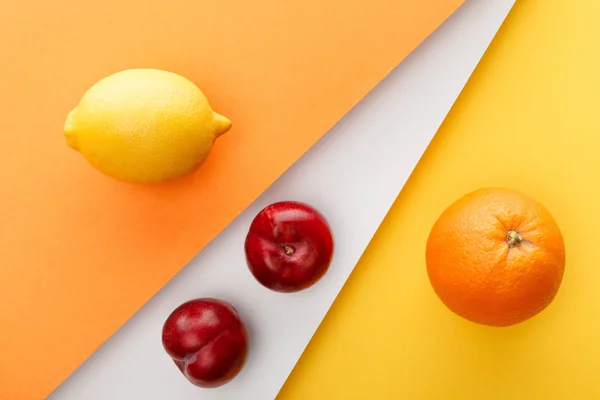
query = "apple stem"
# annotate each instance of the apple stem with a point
(513, 238)
(289, 250)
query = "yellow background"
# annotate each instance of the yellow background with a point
(527, 121)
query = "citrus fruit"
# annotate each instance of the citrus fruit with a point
(496, 257)
(144, 126)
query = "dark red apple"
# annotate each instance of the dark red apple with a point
(207, 340)
(289, 246)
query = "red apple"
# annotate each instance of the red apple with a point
(207, 340)
(289, 246)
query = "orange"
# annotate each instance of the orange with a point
(496, 257)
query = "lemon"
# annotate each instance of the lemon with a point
(144, 126)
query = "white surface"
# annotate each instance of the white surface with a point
(352, 175)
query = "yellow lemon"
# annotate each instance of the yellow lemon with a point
(144, 126)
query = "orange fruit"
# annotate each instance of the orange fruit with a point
(496, 257)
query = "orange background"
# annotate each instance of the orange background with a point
(79, 252)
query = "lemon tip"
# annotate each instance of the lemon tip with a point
(222, 124)
(69, 129)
